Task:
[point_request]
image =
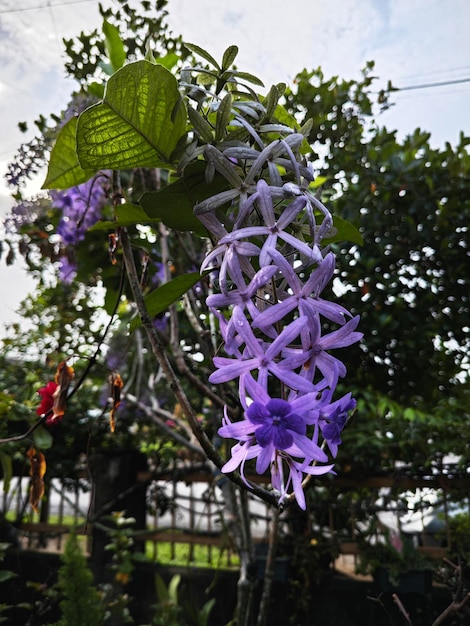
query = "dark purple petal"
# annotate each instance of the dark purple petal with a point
(258, 413)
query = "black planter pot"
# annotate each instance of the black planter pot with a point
(414, 581)
(281, 566)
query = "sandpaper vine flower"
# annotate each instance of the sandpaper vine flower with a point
(272, 270)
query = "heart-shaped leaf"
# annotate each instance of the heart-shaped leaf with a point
(64, 169)
(139, 123)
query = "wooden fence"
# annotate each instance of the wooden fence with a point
(185, 514)
(185, 519)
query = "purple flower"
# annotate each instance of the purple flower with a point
(261, 356)
(270, 313)
(67, 269)
(274, 432)
(159, 273)
(313, 353)
(332, 418)
(273, 228)
(230, 257)
(277, 428)
(305, 296)
(81, 208)
(243, 298)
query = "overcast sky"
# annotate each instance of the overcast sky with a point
(413, 42)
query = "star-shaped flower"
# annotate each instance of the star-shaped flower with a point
(261, 356)
(274, 228)
(274, 432)
(305, 296)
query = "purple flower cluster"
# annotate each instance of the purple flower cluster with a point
(272, 268)
(81, 208)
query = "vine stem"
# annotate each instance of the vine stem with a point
(170, 374)
(269, 570)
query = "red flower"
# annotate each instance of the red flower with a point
(47, 400)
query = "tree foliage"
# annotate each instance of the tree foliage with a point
(409, 278)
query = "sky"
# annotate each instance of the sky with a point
(413, 43)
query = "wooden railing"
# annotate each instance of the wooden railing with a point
(194, 517)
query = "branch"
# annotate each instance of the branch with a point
(402, 609)
(269, 570)
(152, 413)
(452, 608)
(173, 381)
(30, 430)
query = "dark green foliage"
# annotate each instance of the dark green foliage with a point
(81, 602)
(408, 281)
(411, 204)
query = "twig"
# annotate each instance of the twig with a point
(153, 414)
(452, 608)
(378, 600)
(269, 570)
(173, 381)
(402, 609)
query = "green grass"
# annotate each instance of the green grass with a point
(181, 555)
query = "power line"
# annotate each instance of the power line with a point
(438, 84)
(434, 72)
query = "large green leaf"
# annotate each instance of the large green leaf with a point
(126, 215)
(138, 124)
(64, 169)
(174, 204)
(160, 299)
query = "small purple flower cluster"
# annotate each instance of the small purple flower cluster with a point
(272, 268)
(81, 208)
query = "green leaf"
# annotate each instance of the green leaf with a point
(344, 231)
(114, 46)
(318, 182)
(271, 101)
(203, 615)
(126, 215)
(201, 125)
(169, 60)
(42, 438)
(250, 78)
(283, 116)
(64, 169)
(6, 575)
(7, 470)
(106, 67)
(173, 588)
(409, 414)
(222, 120)
(174, 204)
(202, 53)
(96, 89)
(160, 299)
(229, 57)
(139, 123)
(162, 591)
